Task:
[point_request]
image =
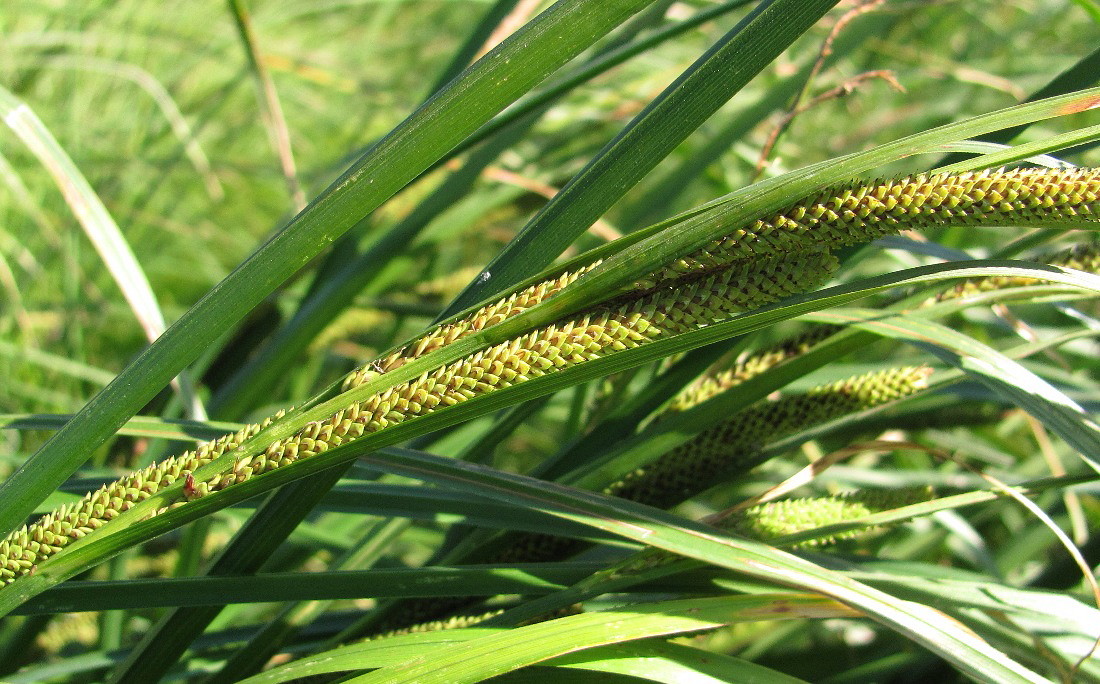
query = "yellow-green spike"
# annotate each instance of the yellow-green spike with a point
(748, 366)
(844, 215)
(1083, 257)
(624, 324)
(777, 519)
(700, 462)
(751, 266)
(858, 213)
(25, 547)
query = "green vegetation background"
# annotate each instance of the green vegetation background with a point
(159, 107)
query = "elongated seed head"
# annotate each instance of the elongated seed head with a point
(1083, 257)
(777, 519)
(751, 266)
(487, 316)
(604, 330)
(748, 366)
(722, 450)
(32, 544)
(858, 213)
(835, 217)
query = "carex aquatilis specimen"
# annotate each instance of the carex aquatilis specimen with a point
(751, 266)
(1083, 257)
(717, 454)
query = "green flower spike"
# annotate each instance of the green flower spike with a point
(32, 544)
(602, 331)
(729, 446)
(1083, 257)
(777, 519)
(698, 465)
(623, 324)
(855, 214)
(748, 366)
(752, 266)
(839, 216)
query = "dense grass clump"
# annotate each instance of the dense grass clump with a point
(455, 341)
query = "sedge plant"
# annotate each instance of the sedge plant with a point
(552, 464)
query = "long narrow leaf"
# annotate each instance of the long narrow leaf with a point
(490, 654)
(755, 560)
(495, 81)
(716, 77)
(129, 528)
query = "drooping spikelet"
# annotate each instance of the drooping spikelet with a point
(834, 217)
(604, 330)
(720, 451)
(1083, 257)
(748, 366)
(696, 466)
(486, 316)
(699, 463)
(25, 547)
(751, 266)
(860, 213)
(777, 519)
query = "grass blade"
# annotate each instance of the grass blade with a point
(487, 655)
(659, 529)
(689, 101)
(486, 88)
(98, 225)
(1006, 377)
(288, 586)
